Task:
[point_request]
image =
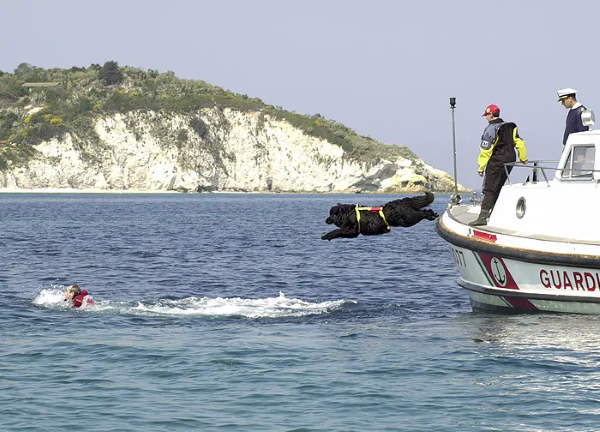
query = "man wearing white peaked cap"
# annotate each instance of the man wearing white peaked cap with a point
(568, 98)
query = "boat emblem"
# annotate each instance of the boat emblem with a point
(498, 272)
(495, 270)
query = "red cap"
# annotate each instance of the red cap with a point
(491, 109)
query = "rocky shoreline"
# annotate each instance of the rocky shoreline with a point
(238, 151)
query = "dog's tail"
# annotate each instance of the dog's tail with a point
(422, 201)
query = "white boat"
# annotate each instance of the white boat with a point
(540, 249)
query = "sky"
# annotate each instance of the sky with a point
(383, 68)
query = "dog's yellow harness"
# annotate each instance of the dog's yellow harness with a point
(372, 210)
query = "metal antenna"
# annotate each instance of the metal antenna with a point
(455, 199)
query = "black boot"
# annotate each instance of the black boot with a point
(484, 215)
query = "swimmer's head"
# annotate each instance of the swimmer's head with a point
(72, 291)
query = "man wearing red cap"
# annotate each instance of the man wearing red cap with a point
(498, 144)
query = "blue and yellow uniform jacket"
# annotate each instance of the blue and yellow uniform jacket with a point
(498, 142)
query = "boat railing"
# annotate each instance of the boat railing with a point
(537, 168)
(540, 170)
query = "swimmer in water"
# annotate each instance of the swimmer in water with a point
(78, 297)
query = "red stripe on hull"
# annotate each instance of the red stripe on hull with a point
(485, 236)
(498, 271)
(520, 303)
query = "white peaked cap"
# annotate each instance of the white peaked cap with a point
(562, 93)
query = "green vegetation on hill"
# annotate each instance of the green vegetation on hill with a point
(39, 104)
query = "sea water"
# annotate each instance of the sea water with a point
(220, 312)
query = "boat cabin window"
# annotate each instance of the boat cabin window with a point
(580, 163)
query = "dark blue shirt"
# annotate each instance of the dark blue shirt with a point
(574, 123)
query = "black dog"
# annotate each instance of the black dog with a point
(403, 212)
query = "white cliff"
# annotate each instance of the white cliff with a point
(213, 149)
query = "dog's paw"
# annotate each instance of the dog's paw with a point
(432, 215)
(326, 237)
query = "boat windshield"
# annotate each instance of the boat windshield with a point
(580, 163)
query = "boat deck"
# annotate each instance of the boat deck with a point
(466, 214)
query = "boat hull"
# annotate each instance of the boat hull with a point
(502, 278)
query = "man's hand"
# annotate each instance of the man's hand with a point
(524, 161)
(480, 173)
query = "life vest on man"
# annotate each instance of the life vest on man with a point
(83, 298)
(498, 144)
(488, 138)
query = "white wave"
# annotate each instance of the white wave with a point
(55, 297)
(51, 297)
(270, 307)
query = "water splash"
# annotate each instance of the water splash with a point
(55, 298)
(270, 307)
